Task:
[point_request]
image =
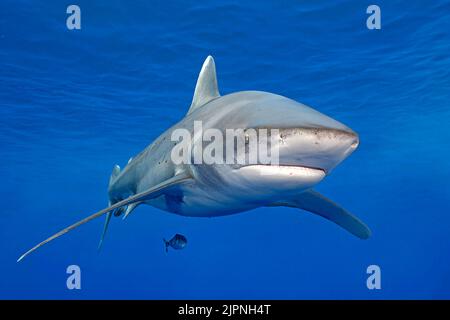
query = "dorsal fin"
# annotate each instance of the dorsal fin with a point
(206, 88)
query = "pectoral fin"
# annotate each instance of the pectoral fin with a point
(151, 193)
(314, 202)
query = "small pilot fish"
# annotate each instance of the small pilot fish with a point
(178, 242)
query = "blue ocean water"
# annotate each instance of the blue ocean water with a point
(74, 103)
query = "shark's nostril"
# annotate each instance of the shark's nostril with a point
(353, 140)
(350, 140)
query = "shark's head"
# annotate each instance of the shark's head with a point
(303, 144)
(306, 145)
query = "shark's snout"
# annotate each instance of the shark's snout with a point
(321, 148)
(355, 142)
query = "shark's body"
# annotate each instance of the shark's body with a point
(311, 145)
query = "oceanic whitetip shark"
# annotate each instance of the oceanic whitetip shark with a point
(312, 145)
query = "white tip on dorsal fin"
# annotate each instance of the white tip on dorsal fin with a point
(206, 88)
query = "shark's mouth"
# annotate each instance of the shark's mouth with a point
(286, 170)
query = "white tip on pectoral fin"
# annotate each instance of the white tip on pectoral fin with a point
(206, 88)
